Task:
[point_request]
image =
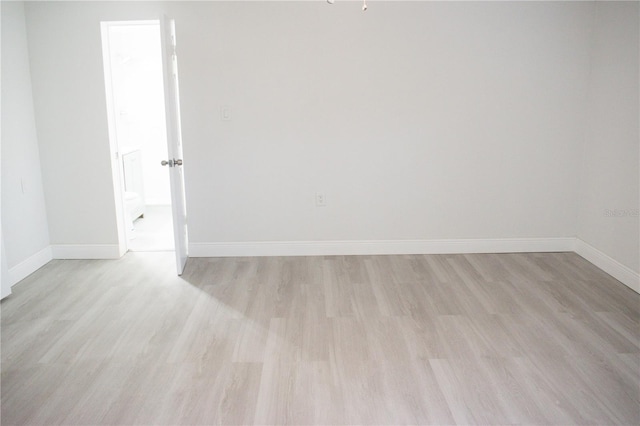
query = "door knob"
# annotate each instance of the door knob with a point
(171, 163)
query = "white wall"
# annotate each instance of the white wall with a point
(24, 221)
(418, 120)
(68, 85)
(610, 174)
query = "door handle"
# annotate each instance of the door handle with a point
(171, 163)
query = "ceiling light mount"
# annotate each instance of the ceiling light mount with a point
(364, 4)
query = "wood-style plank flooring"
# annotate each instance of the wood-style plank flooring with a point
(437, 339)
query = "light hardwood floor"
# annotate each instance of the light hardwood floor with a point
(439, 339)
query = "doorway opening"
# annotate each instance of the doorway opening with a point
(137, 127)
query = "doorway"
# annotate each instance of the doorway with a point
(137, 126)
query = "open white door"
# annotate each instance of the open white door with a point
(174, 139)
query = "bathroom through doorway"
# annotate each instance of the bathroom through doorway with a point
(136, 112)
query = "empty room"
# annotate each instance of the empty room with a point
(320, 212)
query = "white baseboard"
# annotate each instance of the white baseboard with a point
(29, 265)
(617, 270)
(332, 248)
(86, 251)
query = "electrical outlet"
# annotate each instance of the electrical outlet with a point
(321, 200)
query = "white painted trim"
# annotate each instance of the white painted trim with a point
(29, 265)
(328, 248)
(617, 270)
(114, 150)
(86, 251)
